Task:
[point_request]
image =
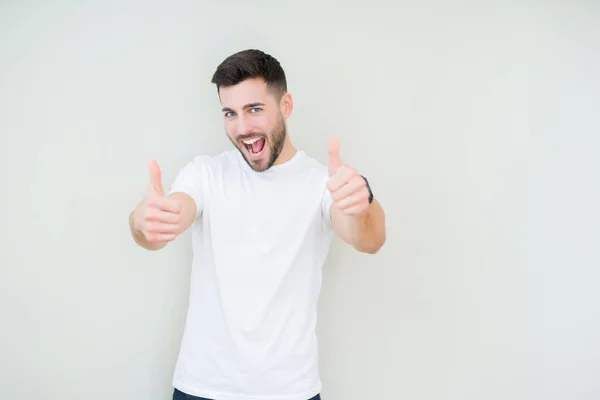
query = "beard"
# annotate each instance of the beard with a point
(274, 142)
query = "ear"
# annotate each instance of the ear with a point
(286, 104)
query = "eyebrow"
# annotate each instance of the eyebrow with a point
(249, 105)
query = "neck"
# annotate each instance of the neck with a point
(287, 152)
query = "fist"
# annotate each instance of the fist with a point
(157, 217)
(348, 189)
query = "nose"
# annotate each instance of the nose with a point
(243, 126)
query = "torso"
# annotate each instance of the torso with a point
(259, 247)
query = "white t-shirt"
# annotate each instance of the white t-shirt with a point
(259, 244)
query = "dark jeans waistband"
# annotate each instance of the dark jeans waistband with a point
(179, 395)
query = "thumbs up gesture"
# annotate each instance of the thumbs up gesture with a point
(157, 217)
(348, 189)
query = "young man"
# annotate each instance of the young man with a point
(262, 218)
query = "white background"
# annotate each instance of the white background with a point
(478, 126)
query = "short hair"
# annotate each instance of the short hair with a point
(247, 64)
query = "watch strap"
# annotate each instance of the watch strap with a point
(369, 189)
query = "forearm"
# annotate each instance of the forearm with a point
(366, 231)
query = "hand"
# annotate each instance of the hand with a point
(157, 217)
(348, 189)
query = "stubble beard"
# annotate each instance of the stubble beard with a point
(275, 142)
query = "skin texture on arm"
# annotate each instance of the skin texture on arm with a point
(365, 231)
(159, 219)
(354, 220)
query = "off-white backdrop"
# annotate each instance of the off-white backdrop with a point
(478, 126)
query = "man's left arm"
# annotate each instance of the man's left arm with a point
(356, 217)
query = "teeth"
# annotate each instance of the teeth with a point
(250, 141)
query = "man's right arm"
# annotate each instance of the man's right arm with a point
(159, 219)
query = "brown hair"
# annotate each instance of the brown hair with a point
(248, 64)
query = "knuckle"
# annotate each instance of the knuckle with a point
(152, 210)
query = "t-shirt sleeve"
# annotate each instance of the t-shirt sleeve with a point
(190, 180)
(326, 202)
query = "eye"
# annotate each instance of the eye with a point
(255, 109)
(229, 114)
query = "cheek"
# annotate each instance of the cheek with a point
(262, 123)
(230, 129)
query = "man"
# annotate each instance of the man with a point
(262, 218)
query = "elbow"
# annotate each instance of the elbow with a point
(371, 250)
(375, 249)
(372, 247)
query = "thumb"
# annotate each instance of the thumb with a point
(333, 149)
(155, 178)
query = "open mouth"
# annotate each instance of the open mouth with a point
(255, 146)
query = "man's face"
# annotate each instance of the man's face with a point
(254, 122)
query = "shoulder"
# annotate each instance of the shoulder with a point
(311, 164)
(316, 170)
(203, 170)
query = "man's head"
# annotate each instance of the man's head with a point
(253, 92)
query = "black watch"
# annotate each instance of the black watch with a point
(369, 189)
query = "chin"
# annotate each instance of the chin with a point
(258, 163)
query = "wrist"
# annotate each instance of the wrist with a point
(369, 189)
